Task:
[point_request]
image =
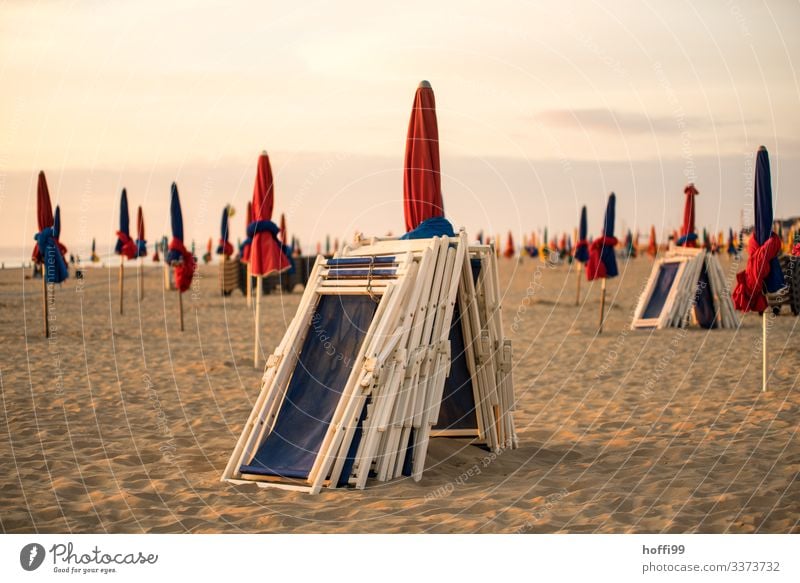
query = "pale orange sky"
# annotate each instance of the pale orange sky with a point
(542, 107)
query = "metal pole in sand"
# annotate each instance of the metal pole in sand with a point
(141, 278)
(121, 280)
(46, 307)
(180, 305)
(602, 304)
(257, 346)
(764, 351)
(249, 291)
(578, 295)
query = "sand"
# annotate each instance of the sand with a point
(124, 424)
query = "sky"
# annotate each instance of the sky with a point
(543, 107)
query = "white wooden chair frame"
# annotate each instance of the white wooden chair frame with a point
(678, 307)
(399, 373)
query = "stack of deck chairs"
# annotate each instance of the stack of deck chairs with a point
(366, 372)
(686, 286)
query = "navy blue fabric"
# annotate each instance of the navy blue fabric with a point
(124, 220)
(57, 222)
(350, 460)
(223, 231)
(457, 410)
(762, 228)
(661, 289)
(704, 302)
(360, 260)
(55, 268)
(532, 251)
(458, 401)
(408, 460)
(608, 219)
(262, 227)
(607, 254)
(175, 214)
(582, 251)
(429, 228)
(361, 273)
(686, 238)
(334, 337)
(141, 248)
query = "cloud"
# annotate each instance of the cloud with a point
(611, 121)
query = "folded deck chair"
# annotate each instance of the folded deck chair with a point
(354, 389)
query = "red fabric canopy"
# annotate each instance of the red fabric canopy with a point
(509, 250)
(422, 180)
(652, 247)
(266, 256)
(44, 212)
(688, 214)
(140, 225)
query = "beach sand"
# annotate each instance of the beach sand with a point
(123, 424)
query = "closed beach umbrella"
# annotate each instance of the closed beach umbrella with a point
(422, 180)
(141, 242)
(95, 258)
(509, 250)
(266, 251)
(731, 243)
(688, 237)
(125, 245)
(46, 251)
(582, 245)
(57, 231)
(224, 248)
(602, 262)
(652, 245)
(266, 255)
(763, 271)
(284, 234)
(178, 256)
(141, 250)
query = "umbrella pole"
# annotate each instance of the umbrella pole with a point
(257, 319)
(248, 290)
(602, 304)
(141, 278)
(578, 295)
(764, 351)
(167, 287)
(121, 280)
(46, 307)
(222, 276)
(180, 307)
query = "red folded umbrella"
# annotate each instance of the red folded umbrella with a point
(44, 212)
(652, 246)
(509, 250)
(266, 255)
(688, 237)
(422, 179)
